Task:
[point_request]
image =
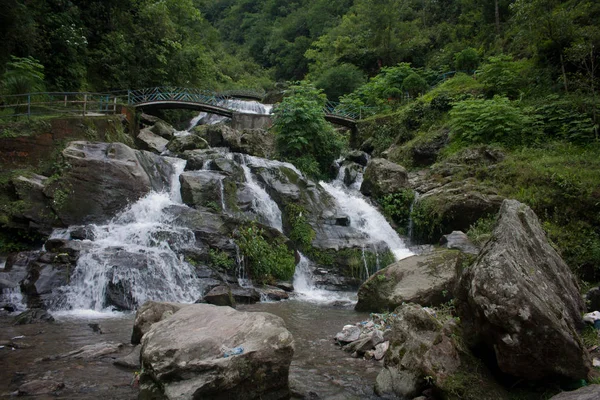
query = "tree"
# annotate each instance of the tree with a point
(303, 136)
(23, 75)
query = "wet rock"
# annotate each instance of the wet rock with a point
(150, 313)
(43, 278)
(520, 299)
(460, 241)
(82, 232)
(287, 286)
(202, 189)
(147, 140)
(131, 360)
(349, 333)
(273, 293)
(33, 316)
(162, 129)
(255, 142)
(36, 206)
(383, 177)
(189, 142)
(351, 173)
(359, 157)
(102, 179)
(196, 159)
(178, 365)
(425, 353)
(39, 387)
(243, 295)
(92, 351)
(426, 279)
(220, 296)
(148, 120)
(591, 392)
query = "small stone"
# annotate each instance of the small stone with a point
(380, 350)
(348, 334)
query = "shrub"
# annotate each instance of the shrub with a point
(23, 75)
(466, 60)
(503, 76)
(489, 121)
(266, 259)
(300, 230)
(302, 134)
(396, 206)
(340, 80)
(414, 84)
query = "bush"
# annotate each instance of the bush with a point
(396, 206)
(340, 80)
(503, 76)
(23, 75)
(301, 232)
(302, 134)
(466, 60)
(490, 121)
(265, 259)
(414, 84)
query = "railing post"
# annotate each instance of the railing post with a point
(28, 105)
(128, 97)
(115, 105)
(84, 104)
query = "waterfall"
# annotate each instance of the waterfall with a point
(365, 217)
(11, 296)
(243, 106)
(305, 288)
(133, 258)
(263, 203)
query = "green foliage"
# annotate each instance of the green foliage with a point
(265, 258)
(396, 206)
(340, 80)
(303, 137)
(22, 75)
(301, 232)
(220, 260)
(490, 121)
(503, 76)
(466, 60)
(414, 85)
(481, 230)
(427, 222)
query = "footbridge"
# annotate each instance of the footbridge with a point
(86, 103)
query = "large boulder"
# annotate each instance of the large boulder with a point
(452, 207)
(383, 177)
(179, 144)
(591, 392)
(150, 313)
(147, 140)
(424, 352)
(209, 352)
(102, 178)
(256, 142)
(203, 189)
(36, 206)
(423, 279)
(520, 299)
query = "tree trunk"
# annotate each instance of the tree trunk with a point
(497, 13)
(564, 72)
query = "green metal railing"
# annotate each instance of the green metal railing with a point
(51, 103)
(90, 104)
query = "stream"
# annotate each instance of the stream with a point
(144, 234)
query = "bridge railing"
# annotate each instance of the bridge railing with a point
(167, 93)
(51, 103)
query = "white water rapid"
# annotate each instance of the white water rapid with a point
(133, 258)
(306, 290)
(264, 205)
(243, 106)
(365, 217)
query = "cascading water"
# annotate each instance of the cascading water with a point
(411, 224)
(243, 106)
(133, 258)
(305, 288)
(365, 217)
(263, 203)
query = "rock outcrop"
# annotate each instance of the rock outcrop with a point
(427, 280)
(383, 177)
(205, 351)
(520, 299)
(102, 178)
(150, 313)
(591, 392)
(424, 352)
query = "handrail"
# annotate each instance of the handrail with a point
(87, 103)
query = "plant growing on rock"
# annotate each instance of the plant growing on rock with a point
(303, 136)
(265, 258)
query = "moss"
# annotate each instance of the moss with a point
(301, 232)
(396, 207)
(230, 191)
(220, 260)
(427, 221)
